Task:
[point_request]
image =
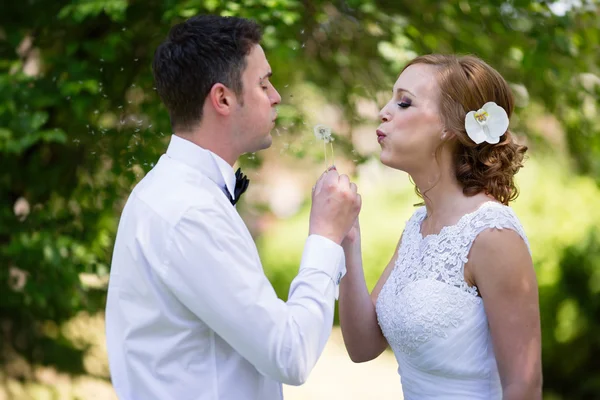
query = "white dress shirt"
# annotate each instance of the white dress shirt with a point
(190, 313)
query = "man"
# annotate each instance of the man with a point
(190, 313)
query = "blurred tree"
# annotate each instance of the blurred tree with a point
(570, 322)
(80, 122)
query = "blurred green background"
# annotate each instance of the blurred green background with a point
(80, 124)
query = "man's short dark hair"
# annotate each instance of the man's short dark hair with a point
(198, 53)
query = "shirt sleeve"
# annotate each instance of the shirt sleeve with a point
(213, 268)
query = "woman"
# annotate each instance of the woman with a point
(458, 301)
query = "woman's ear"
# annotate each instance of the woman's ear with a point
(446, 135)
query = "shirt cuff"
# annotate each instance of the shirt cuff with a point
(324, 255)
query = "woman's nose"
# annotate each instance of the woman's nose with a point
(384, 116)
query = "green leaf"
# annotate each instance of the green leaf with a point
(37, 119)
(55, 135)
(5, 134)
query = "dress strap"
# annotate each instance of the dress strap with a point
(491, 215)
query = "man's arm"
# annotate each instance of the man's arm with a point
(216, 273)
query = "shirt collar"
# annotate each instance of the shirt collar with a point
(217, 169)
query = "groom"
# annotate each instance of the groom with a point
(190, 313)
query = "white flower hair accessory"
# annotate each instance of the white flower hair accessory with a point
(486, 124)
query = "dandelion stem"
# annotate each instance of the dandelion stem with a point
(332, 158)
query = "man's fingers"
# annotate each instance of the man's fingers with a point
(344, 182)
(319, 184)
(328, 177)
(353, 187)
(358, 202)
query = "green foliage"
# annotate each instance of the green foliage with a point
(80, 123)
(570, 320)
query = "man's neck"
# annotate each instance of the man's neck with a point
(210, 140)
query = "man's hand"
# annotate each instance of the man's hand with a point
(335, 206)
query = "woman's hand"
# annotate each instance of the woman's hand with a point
(352, 239)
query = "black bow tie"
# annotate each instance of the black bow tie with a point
(241, 184)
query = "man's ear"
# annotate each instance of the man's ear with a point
(222, 99)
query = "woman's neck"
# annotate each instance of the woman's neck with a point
(442, 193)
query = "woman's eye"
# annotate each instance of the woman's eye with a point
(404, 103)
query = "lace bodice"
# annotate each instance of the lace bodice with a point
(433, 320)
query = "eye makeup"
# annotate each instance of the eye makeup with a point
(405, 102)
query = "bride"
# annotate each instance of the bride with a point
(458, 302)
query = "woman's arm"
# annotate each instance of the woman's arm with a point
(358, 318)
(503, 272)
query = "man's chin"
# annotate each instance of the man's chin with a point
(267, 142)
(264, 144)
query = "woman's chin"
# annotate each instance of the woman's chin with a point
(391, 161)
(386, 158)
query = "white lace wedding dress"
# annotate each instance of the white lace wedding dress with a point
(434, 322)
